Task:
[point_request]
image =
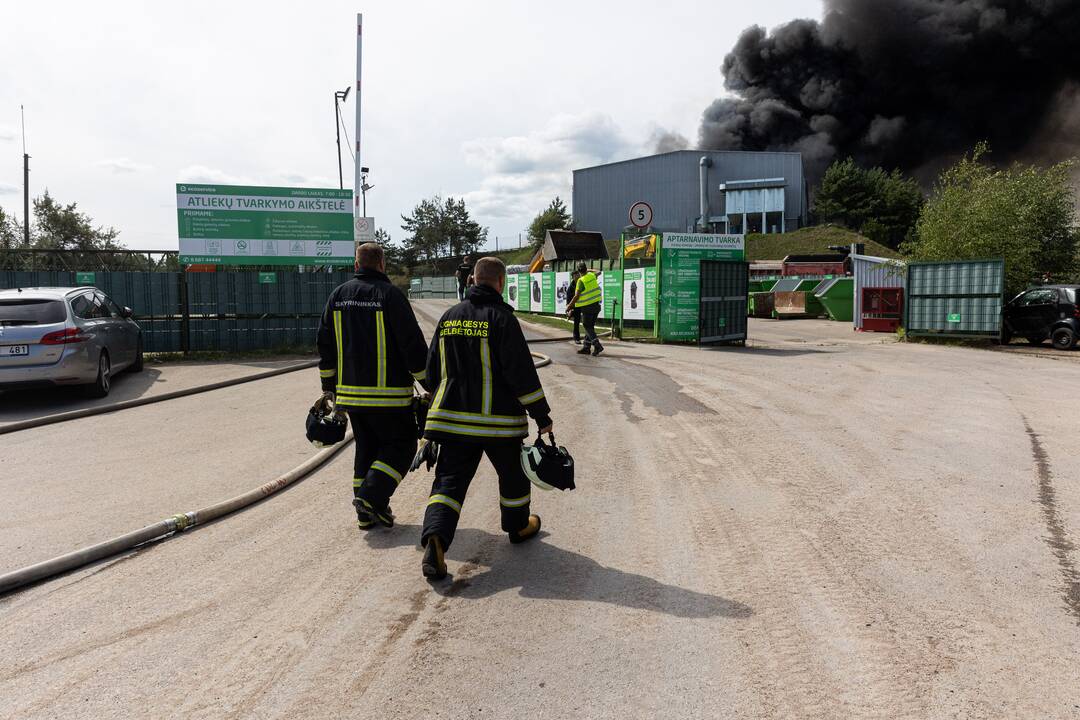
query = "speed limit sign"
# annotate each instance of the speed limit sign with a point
(641, 214)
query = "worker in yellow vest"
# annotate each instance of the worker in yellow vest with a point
(587, 299)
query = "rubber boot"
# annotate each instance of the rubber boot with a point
(584, 349)
(597, 349)
(434, 563)
(529, 531)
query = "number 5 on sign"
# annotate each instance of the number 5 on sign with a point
(641, 214)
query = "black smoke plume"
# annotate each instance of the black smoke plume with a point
(907, 84)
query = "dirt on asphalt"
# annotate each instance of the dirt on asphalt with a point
(815, 526)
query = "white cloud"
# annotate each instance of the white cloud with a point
(8, 189)
(523, 173)
(7, 133)
(203, 174)
(122, 165)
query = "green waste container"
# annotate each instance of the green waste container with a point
(837, 296)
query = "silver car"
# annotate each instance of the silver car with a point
(65, 336)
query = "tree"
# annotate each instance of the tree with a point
(555, 217)
(436, 224)
(398, 259)
(881, 205)
(1023, 214)
(63, 227)
(10, 231)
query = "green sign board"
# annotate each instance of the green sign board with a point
(954, 317)
(611, 285)
(243, 225)
(548, 299)
(85, 278)
(680, 257)
(268, 278)
(524, 292)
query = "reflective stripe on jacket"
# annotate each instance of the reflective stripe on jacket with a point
(588, 290)
(484, 374)
(370, 345)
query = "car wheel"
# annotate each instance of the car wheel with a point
(1006, 336)
(1064, 339)
(1036, 339)
(137, 366)
(100, 387)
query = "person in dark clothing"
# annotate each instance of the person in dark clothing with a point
(486, 383)
(371, 350)
(575, 313)
(464, 276)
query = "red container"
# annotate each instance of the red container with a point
(882, 309)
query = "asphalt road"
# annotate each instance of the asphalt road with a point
(821, 525)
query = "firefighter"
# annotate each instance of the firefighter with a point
(370, 352)
(587, 300)
(486, 383)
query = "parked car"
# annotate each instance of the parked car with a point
(1045, 312)
(66, 336)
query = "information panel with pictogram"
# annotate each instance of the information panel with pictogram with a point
(245, 225)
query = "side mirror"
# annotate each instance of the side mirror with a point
(127, 312)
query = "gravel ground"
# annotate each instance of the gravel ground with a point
(816, 526)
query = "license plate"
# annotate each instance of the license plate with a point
(14, 350)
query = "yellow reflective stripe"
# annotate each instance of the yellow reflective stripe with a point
(422, 375)
(531, 397)
(357, 482)
(514, 502)
(456, 429)
(478, 418)
(380, 349)
(327, 373)
(447, 501)
(337, 336)
(384, 468)
(350, 401)
(485, 373)
(362, 390)
(442, 383)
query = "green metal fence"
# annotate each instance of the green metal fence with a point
(955, 299)
(232, 311)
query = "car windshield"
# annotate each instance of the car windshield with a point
(31, 312)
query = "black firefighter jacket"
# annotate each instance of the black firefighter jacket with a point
(370, 346)
(486, 380)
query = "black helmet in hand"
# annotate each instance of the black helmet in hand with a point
(548, 466)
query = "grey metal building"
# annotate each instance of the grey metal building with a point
(695, 191)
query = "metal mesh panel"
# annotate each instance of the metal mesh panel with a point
(955, 298)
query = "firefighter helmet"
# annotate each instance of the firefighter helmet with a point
(325, 426)
(547, 465)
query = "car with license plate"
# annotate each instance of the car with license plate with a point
(1050, 311)
(66, 336)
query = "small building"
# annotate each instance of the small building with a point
(695, 191)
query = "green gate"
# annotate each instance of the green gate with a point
(955, 299)
(722, 305)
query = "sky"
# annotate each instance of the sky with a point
(494, 101)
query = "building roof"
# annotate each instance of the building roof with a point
(692, 152)
(574, 245)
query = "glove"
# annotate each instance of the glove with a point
(428, 452)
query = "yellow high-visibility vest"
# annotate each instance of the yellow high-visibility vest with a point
(588, 289)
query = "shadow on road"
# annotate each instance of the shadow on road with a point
(18, 405)
(545, 572)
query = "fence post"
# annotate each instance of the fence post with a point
(185, 312)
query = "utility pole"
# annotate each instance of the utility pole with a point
(26, 182)
(339, 96)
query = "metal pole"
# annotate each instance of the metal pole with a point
(358, 181)
(26, 182)
(337, 132)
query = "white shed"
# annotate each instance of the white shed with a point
(875, 272)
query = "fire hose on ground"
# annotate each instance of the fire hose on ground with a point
(181, 521)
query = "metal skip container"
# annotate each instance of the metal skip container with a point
(838, 298)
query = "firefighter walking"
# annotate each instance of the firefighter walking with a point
(371, 350)
(586, 300)
(486, 383)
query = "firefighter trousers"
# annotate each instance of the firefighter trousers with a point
(589, 313)
(385, 446)
(455, 470)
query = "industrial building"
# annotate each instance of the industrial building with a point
(695, 191)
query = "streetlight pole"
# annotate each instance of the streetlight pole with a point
(339, 95)
(26, 182)
(364, 187)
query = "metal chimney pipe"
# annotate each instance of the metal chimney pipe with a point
(703, 178)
